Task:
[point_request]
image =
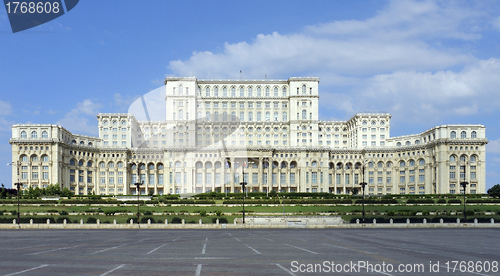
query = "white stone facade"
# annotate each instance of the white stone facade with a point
(213, 127)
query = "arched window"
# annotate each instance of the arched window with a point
(402, 164)
(34, 134)
(304, 90)
(267, 91)
(463, 158)
(293, 165)
(453, 134)
(259, 93)
(178, 164)
(181, 89)
(285, 116)
(24, 134)
(45, 158)
(412, 163)
(304, 115)
(473, 134)
(82, 143)
(216, 116)
(217, 165)
(111, 165)
(71, 162)
(151, 166)
(242, 116)
(160, 166)
(207, 92)
(24, 158)
(284, 91)
(276, 92)
(250, 91)
(233, 92)
(259, 116)
(233, 116)
(224, 116)
(370, 164)
(208, 165)
(314, 164)
(408, 143)
(421, 162)
(388, 165)
(143, 166)
(417, 142)
(199, 165)
(268, 116)
(45, 134)
(207, 115)
(89, 164)
(250, 116)
(380, 164)
(276, 116)
(242, 92)
(283, 165)
(463, 134)
(473, 159)
(398, 144)
(120, 164)
(453, 158)
(80, 163)
(348, 166)
(216, 91)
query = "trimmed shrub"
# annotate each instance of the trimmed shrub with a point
(176, 220)
(221, 220)
(63, 213)
(91, 220)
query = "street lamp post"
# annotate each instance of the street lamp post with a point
(464, 185)
(363, 184)
(243, 185)
(283, 206)
(18, 184)
(137, 186)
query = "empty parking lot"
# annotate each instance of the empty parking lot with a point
(250, 252)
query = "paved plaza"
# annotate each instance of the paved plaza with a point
(250, 252)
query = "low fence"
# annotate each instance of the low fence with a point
(308, 223)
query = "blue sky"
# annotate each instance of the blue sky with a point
(426, 62)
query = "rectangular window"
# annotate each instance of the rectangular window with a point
(103, 180)
(111, 180)
(282, 178)
(45, 175)
(273, 178)
(292, 178)
(356, 179)
(227, 177)
(120, 180)
(370, 180)
(264, 178)
(217, 178)
(34, 175)
(472, 175)
(160, 179)
(402, 179)
(178, 178)
(255, 178)
(347, 179)
(452, 175)
(337, 179)
(198, 178)
(412, 178)
(151, 179)
(314, 177)
(421, 178)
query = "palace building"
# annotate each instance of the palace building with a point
(218, 133)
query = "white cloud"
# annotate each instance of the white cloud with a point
(78, 119)
(493, 147)
(406, 35)
(5, 108)
(496, 23)
(422, 96)
(123, 102)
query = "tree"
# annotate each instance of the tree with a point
(494, 191)
(354, 191)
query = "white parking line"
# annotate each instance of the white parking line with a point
(198, 270)
(353, 249)
(156, 248)
(116, 268)
(61, 248)
(204, 248)
(289, 272)
(252, 249)
(206, 239)
(175, 239)
(237, 239)
(15, 273)
(302, 248)
(268, 239)
(107, 249)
